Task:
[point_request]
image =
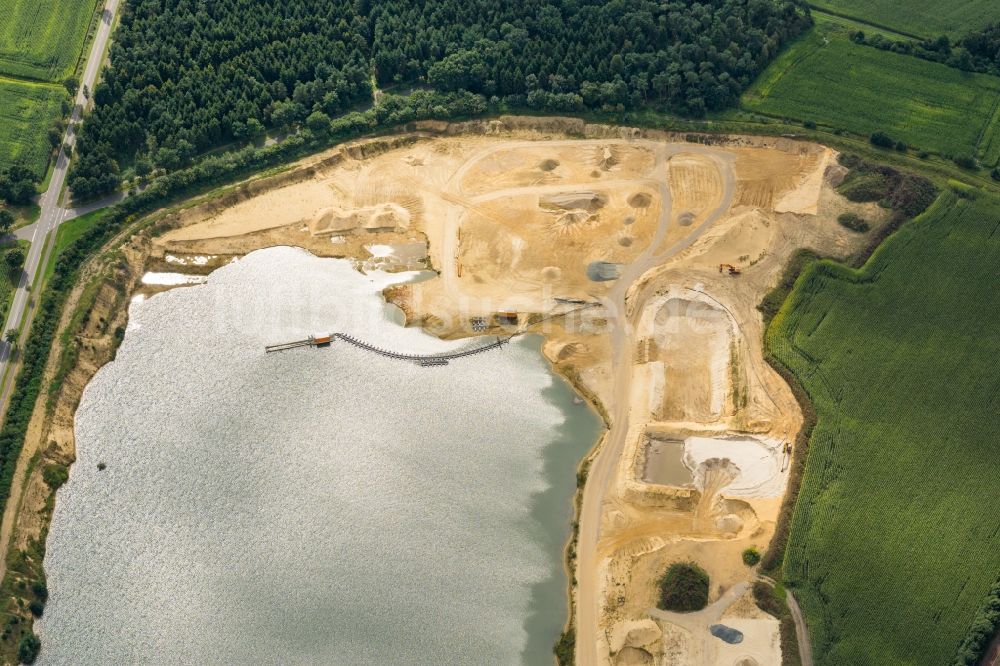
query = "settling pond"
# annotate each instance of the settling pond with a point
(313, 506)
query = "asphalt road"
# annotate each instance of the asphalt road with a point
(52, 213)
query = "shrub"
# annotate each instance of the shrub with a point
(14, 259)
(27, 649)
(809, 124)
(881, 139)
(751, 556)
(965, 161)
(565, 648)
(684, 588)
(901, 146)
(906, 193)
(923, 154)
(36, 607)
(55, 475)
(767, 600)
(853, 222)
(912, 195)
(849, 160)
(772, 301)
(995, 174)
(41, 590)
(865, 187)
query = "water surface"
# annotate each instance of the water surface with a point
(312, 506)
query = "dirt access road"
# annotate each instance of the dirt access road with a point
(622, 344)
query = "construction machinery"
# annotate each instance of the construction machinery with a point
(729, 267)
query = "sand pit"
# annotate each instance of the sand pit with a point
(589, 201)
(805, 197)
(695, 185)
(559, 161)
(740, 240)
(382, 217)
(686, 342)
(295, 203)
(640, 200)
(610, 246)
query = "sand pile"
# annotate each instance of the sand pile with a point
(387, 216)
(634, 633)
(758, 461)
(587, 200)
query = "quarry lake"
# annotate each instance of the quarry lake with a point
(315, 506)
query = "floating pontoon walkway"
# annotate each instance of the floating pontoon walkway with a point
(426, 360)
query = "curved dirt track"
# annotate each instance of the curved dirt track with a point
(801, 633)
(622, 343)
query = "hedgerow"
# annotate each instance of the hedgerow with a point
(984, 628)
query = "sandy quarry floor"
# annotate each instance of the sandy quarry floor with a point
(611, 246)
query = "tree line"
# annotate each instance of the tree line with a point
(188, 76)
(978, 51)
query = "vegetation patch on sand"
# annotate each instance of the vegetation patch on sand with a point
(684, 588)
(826, 78)
(69, 232)
(772, 600)
(898, 505)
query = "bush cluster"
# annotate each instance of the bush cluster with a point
(55, 475)
(28, 648)
(751, 556)
(565, 648)
(854, 222)
(684, 588)
(17, 184)
(767, 599)
(905, 193)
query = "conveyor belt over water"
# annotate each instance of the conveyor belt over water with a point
(427, 360)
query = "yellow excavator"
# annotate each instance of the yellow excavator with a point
(729, 267)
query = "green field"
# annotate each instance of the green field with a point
(42, 39)
(923, 18)
(895, 539)
(826, 78)
(27, 110)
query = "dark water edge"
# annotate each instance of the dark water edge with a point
(551, 515)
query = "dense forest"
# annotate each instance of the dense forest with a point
(187, 76)
(692, 56)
